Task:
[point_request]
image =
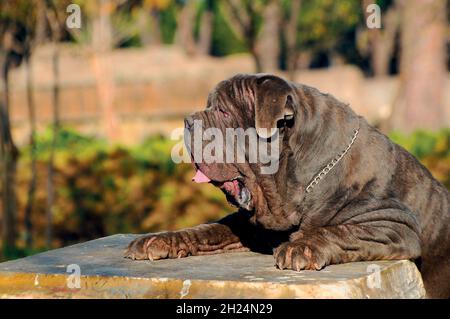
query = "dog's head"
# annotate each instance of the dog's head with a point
(260, 103)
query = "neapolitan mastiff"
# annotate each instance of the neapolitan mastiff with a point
(343, 191)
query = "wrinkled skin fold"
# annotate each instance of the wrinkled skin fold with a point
(377, 203)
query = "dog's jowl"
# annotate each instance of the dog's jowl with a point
(341, 191)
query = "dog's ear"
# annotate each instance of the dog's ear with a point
(274, 101)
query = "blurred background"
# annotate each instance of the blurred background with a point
(90, 91)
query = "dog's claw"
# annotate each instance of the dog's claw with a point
(154, 247)
(297, 256)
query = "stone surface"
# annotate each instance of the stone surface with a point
(105, 274)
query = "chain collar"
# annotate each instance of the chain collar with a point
(331, 164)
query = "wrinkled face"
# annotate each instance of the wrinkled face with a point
(235, 145)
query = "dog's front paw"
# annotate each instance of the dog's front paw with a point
(299, 256)
(157, 246)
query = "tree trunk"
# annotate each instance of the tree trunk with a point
(303, 60)
(290, 33)
(185, 29)
(41, 23)
(250, 34)
(106, 89)
(55, 26)
(423, 71)
(381, 58)
(257, 60)
(8, 157)
(32, 184)
(242, 18)
(382, 41)
(335, 59)
(155, 26)
(206, 28)
(268, 46)
(56, 125)
(102, 34)
(150, 31)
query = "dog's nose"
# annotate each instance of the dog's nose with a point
(188, 122)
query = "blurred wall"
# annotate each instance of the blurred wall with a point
(155, 88)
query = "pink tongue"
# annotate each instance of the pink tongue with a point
(200, 177)
(232, 187)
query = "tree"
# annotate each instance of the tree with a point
(149, 21)
(326, 27)
(206, 28)
(32, 143)
(290, 30)
(195, 26)
(55, 22)
(268, 46)
(243, 18)
(377, 43)
(12, 50)
(185, 31)
(39, 25)
(103, 42)
(423, 71)
(106, 27)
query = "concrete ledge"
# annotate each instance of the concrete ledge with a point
(105, 274)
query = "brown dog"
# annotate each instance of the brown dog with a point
(343, 191)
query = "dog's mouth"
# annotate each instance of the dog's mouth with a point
(235, 190)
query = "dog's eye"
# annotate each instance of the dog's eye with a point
(225, 113)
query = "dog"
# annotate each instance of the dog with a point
(343, 192)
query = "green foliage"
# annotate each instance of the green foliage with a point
(67, 140)
(323, 23)
(422, 143)
(324, 26)
(224, 41)
(168, 23)
(108, 189)
(19, 11)
(431, 148)
(155, 152)
(384, 4)
(10, 253)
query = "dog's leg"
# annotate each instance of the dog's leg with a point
(233, 233)
(199, 240)
(389, 234)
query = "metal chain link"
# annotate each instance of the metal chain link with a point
(331, 164)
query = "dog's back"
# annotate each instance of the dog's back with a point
(414, 185)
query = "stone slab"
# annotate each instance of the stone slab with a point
(104, 273)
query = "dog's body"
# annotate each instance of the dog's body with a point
(377, 202)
